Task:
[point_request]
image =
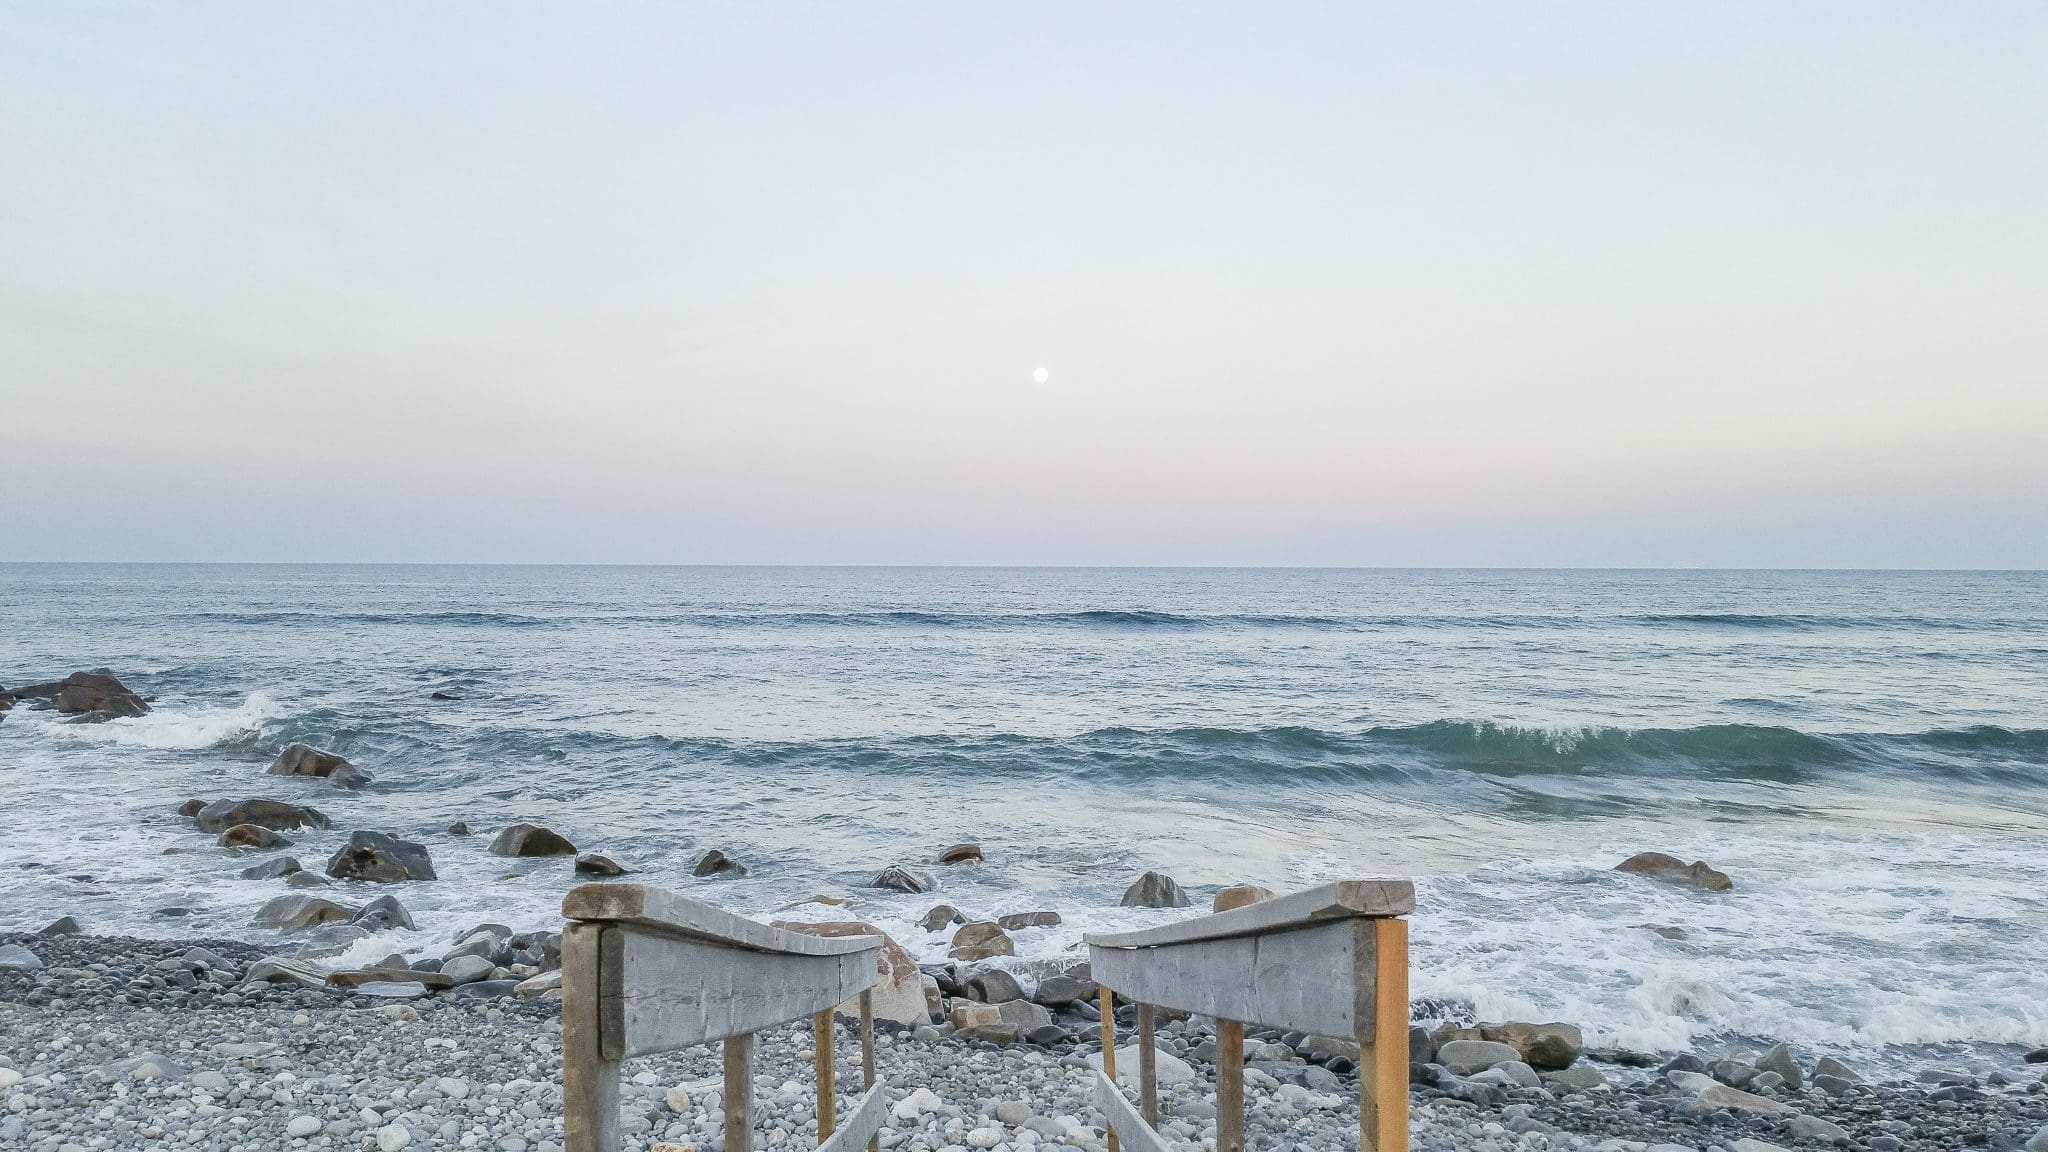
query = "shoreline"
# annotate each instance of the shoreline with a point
(119, 1042)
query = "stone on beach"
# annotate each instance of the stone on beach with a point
(290, 913)
(981, 940)
(220, 815)
(1468, 1057)
(251, 836)
(1238, 896)
(383, 914)
(1545, 1047)
(15, 958)
(530, 840)
(599, 864)
(897, 878)
(306, 760)
(1672, 870)
(717, 863)
(1155, 890)
(380, 859)
(97, 692)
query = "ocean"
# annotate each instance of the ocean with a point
(1865, 753)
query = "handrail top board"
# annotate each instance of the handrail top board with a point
(1344, 899)
(660, 911)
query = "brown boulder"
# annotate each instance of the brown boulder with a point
(530, 840)
(1672, 870)
(97, 692)
(1544, 1047)
(942, 917)
(1155, 890)
(252, 836)
(960, 854)
(306, 760)
(1238, 896)
(981, 940)
(899, 995)
(298, 913)
(1016, 920)
(717, 863)
(275, 815)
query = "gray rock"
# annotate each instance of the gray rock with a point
(897, 878)
(380, 859)
(467, 969)
(1582, 1078)
(1155, 890)
(305, 879)
(1815, 1128)
(1779, 1059)
(1549, 1047)
(1024, 1014)
(599, 864)
(279, 970)
(486, 989)
(1059, 991)
(1829, 1066)
(61, 926)
(530, 840)
(392, 990)
(251, 836)
(276, 815)
(306, 760)
(2038, 1142)
(717, 863)
(290, 913)
(1507, 1073)
(1466, 1057)
(272, 868)
(1734, 1073)
(383, 914)
(994, 986)
(15, 958)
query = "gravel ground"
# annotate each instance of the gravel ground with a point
(119, 1044)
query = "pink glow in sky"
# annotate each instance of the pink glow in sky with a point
(1737, 284)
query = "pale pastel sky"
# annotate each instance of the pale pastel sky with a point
(1573, 283)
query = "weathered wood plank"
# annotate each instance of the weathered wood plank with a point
(1124, 1120)
(1107, 999)
(1148, 1067)
(825, 1053)
(1229, 1086)
(863, 1120)
(1341, 900)
(590, 1080)
(1306, 978)
(664, 992)
(1387, 1056)
(738, 1091)
(661, 911)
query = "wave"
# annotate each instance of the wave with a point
(167, 730)
(1129, 618)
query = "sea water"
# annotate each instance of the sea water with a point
(1865, 753)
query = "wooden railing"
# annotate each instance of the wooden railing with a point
(645, 970)
(1331, 961)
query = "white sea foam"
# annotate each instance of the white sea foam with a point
(164, 728)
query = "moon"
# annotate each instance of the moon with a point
(1040, 375)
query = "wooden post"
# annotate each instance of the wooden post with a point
(867, 1053)
(1148, 1068)
(825, 1052)
(590, 1083)
(1383, 1064)
(739, 1093)
(1229, 1086)
(1108, 1001)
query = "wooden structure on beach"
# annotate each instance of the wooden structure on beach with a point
(645, 970)
(1331, 961)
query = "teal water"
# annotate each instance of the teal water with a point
(1867, 753)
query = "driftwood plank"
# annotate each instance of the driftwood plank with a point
(660, 911)
(1124, 1120)
(1383, 1113)
(663, 992)
(1342, 900)
(863, 1120)
(1308, 979)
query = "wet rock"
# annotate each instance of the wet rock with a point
(305, 879)
(899, 995)
(15, 958)
(306, 760)
(190, 808)
(1779, 1059)
(381, 859)
(61, 926)
(1155, 890)
(280, 970)
(272, 868)
(1016, 920)
(467, 969)
(897, 878)
(981, 940)
(459, 828)
(1672, 870)
(717, 863)
(382, 914)
(97, 692)
(276, 815)
(439, 695)
(1470, 1057)
(252, 836)
(291, 913)
(1544, 1047)
(1024, 1014)
(1238, 896)
(1829, 1066)
(389, 974)
(599, 864)
(530, 840)
(942, 917)
(994, 986)
(1059, 991)
(961, 854)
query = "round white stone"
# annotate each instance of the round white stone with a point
(302, 1126)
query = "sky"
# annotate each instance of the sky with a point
(1741, 284)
